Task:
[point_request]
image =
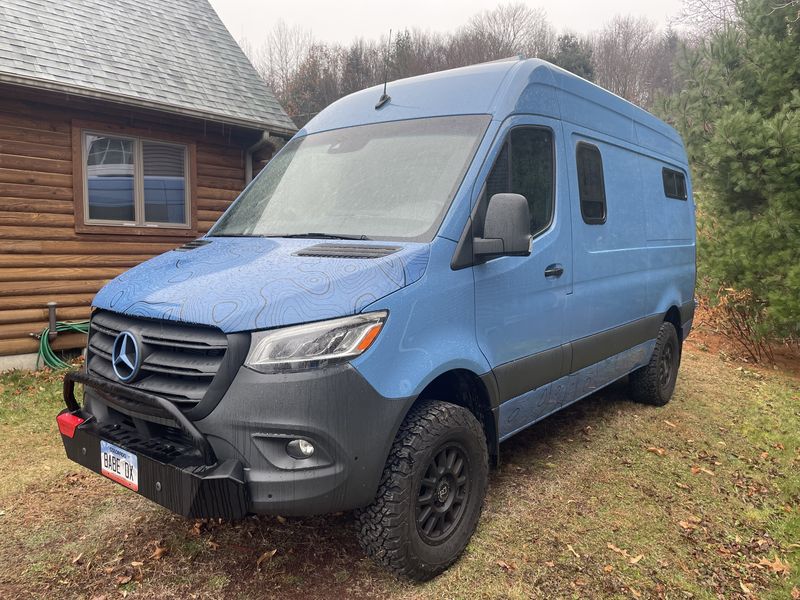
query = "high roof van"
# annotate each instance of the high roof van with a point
(414, 278)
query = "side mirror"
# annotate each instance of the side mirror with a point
(506, 228)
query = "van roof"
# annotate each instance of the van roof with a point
(501, 89)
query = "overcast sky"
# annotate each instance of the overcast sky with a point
(342, 21)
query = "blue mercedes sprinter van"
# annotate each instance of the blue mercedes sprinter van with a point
(408, 283)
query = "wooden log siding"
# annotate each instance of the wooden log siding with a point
(42, 257)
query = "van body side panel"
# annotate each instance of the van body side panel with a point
(519, 311)
(430, 330)
(670, 240)
(519, 413)
(668, 219)
(610, 260)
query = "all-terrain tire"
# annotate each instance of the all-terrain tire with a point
(655, 382)
(417, 481)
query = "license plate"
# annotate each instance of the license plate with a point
(120, 465)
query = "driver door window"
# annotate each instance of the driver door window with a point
(525, 165)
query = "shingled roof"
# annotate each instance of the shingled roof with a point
(170, 55)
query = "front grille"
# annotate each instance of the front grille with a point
(179, 360)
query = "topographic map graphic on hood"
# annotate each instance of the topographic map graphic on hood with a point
(240, 284)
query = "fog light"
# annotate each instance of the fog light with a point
(300, 449)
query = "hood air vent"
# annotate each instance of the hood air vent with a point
(192, 245)
(347, 251)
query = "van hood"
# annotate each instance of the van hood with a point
(240, 284)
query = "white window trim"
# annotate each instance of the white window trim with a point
(138, 182)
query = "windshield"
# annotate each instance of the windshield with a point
(383, 181)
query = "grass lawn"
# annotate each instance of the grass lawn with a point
(700, 499)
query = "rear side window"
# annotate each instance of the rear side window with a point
(591, 185)
(525, 166)
(674, 184)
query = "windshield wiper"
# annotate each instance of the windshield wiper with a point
(325, 236)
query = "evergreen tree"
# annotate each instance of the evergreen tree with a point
(575, 55)
(739, 114)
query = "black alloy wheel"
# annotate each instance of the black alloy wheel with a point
(443, 494)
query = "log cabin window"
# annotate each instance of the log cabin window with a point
(133, 181)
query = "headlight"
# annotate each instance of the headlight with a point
(314, 344)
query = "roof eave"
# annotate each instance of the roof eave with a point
(43, 84)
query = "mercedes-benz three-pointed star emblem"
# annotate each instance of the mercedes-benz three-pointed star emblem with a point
(126, 356)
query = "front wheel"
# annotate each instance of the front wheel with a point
(431, 492)
(654, 383)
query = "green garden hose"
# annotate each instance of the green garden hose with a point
(46, 353)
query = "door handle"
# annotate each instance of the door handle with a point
(555, 270)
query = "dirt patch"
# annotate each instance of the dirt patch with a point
(706, 336)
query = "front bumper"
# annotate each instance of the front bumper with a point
(183, 477)
(195, 491)
(234, 461)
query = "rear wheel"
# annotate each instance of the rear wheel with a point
(431, 492)
(655, 382)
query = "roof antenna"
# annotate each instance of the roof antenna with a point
(385, 97)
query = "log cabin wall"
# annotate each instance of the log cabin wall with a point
(42, 256)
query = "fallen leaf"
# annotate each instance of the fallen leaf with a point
(123, 579)
(196, 528)
(683, 486)
(688, 526)
(635, 593)
(745, 589)
(608, 569)
(571, 549)
(659, 451)
(137, 563)
(508, 568)
(549, 563)
(696, 470)
(265, 557)
(776, 565)
(616, 549)
(158, 552)
(795, 593)
(280, 519)
(765, 455)
(212, 544)
(624, 553)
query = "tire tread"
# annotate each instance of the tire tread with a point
(643, 382)
(382, 524)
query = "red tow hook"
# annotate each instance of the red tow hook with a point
(67, 423)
